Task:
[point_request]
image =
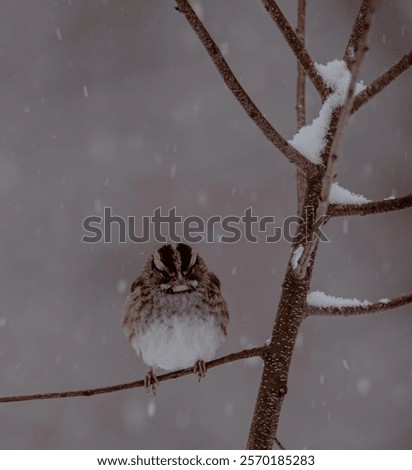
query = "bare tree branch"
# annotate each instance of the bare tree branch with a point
(297, 47)
(246, 353)
(300, 101)
(300, 85)
(380, 306)
(291, 309)
(274, 383)
(357, 31)
(335, 132)
(382, 82)
(240, 94)
(373, 207)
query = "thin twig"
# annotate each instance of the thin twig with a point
(279, 444)
(300, 85)
(300, 101)
(335, 133)
(373, 207)
(293, 155)
(380, 306)
(357, 31)
(246, 353)
(297, 47)
(382, 82)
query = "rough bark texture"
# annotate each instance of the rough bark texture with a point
(346, 311)
(273, 385)
(290, 314)
(373, 207)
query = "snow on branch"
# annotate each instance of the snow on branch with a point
(246, 353)
(339, 195)
(297, 46)
(311, 139)
(382, 82)
(319, 303)
(293, 155)
(297, 253)
(343, 209)
(320, 299)
(337, 122)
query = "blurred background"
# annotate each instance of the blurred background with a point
(115, 103)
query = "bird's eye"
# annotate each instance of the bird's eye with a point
(191, 274)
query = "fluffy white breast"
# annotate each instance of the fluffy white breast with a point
(182, 333)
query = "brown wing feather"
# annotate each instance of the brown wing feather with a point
(217, 303)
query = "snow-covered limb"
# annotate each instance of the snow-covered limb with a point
(311, 140)
(339, 195)
(245, 354)
(382, 82)
(322, 304)
(372, 207)
(297, 46)
(233, 84)
(338, 120)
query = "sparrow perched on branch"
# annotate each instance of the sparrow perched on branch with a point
(175, 316)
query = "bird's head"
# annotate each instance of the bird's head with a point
(177, 268)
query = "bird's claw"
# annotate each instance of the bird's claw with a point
(200, 370)
(151, 382)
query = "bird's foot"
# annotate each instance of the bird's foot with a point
(151, 382)
(200, 370)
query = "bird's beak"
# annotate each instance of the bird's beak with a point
(188, 286)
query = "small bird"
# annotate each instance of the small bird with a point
(175, 316)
